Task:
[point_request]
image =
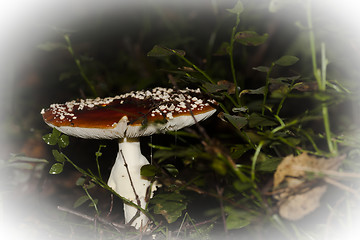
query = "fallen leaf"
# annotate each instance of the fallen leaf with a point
(297, 185)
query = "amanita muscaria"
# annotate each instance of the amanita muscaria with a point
(126, 118)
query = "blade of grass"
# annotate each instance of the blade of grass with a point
(254, 159)
(266, 91)
(78, 64)
(320, 76)
(231, 56)
(193, 65)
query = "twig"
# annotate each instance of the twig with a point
(342, 186)
(133, 187)
(220, 192)
(89, 218)
(181, 226)
(111, 204)
(131, 182)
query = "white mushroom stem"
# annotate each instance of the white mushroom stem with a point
(125, 179)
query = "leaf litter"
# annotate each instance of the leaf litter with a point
(298, 184)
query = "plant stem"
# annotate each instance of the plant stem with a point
(266, 90)
(320, 76)
(231, 55)
(220, 192)
(98, 154)
(324, 62)
(78, 64)
(92, 200)
(284, 98)
(194, 66)
(312, 44)
(254, 159)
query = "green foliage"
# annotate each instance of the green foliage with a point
(52, 138)
(286, 61)
(250, 38)
(160, 51)
(51, 46)
(80, 201)
(237, 9)
(237, 218)
(170, 205)
(237, 121)
(85, 198)
(62, 140)
(258, 121)
(148, 170)
(56, 168)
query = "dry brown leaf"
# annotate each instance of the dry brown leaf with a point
(298, 195)
(297, 206)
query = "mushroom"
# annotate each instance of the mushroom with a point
(126, 118)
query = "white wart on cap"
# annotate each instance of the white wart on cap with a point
(134, 114)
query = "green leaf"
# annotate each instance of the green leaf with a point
(237, 218)
(237, 9)
(63, 141)
(286, 60)
(90, 185)
(260, 90)
(279, 91)
(306, 86)
(255, 120)
(160, 51)
(238, 150)
(237, 121)
(80, 201)
(240, 109)
(56, 168)
(268, 165)
(261, 69)
(321, 96)
(284, 79)
(223, 49)
(59, 157)
(51, 46)
(80, 181)
(242, 186)
(99, 153)
(171, 169)
(17, 157)
(250, 38)
(170, 205)
(49, 140)
(94, 202)
(148, 170)
(212, 88)
(52, 138)
(219, 167)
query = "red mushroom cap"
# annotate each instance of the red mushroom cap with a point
(134, 114)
